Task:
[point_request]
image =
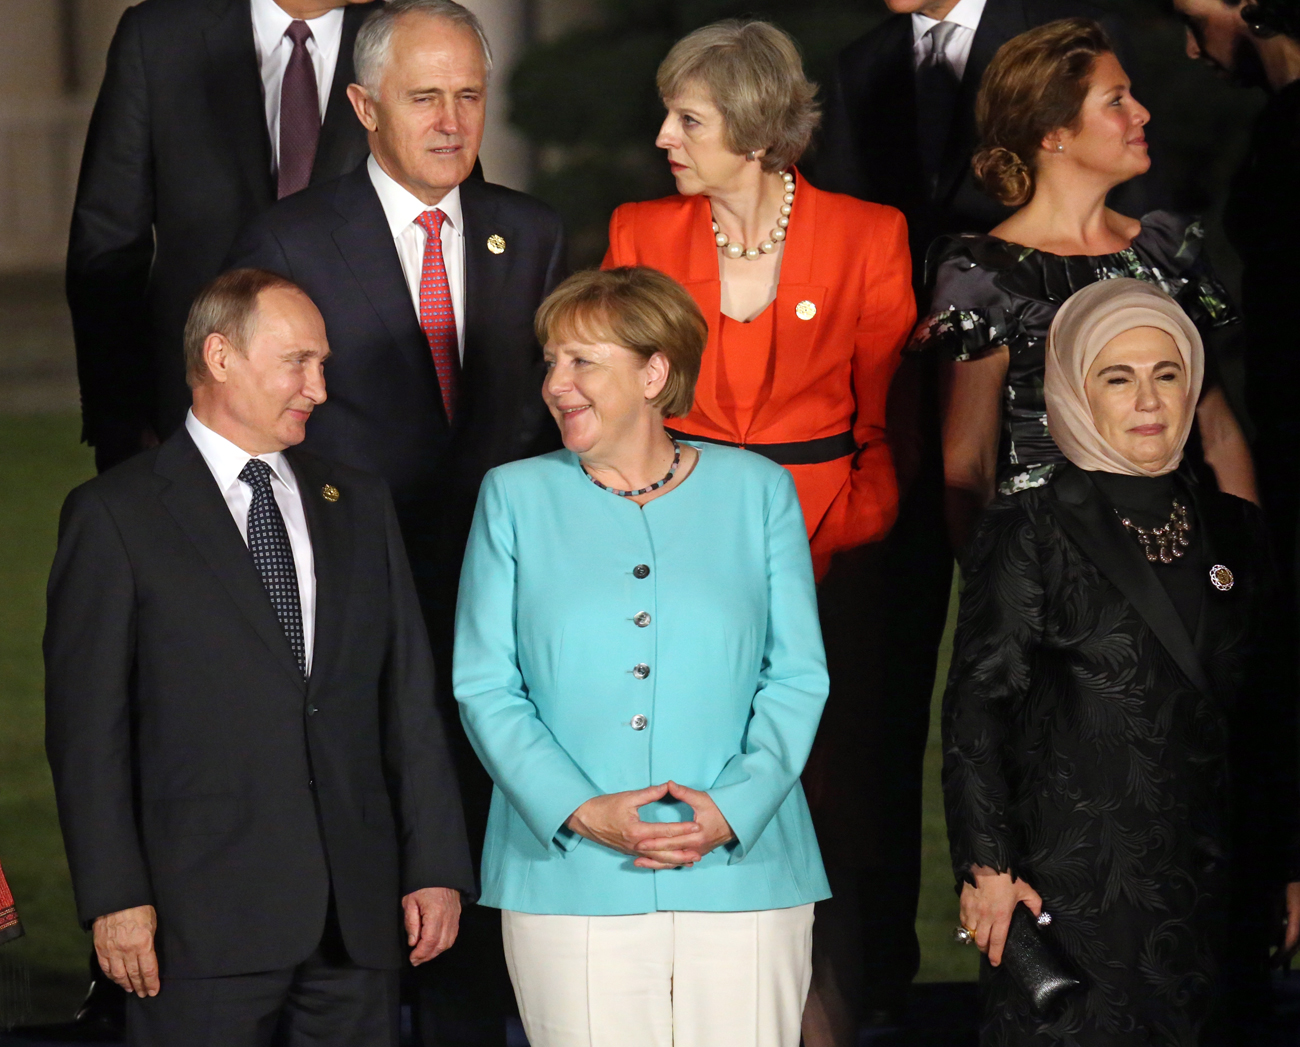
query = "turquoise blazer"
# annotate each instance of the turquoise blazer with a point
(602, 647)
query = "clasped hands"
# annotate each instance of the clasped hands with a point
(614, 820)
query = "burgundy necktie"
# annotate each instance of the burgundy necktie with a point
(299, 114)
(436, 314)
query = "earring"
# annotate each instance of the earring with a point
(752, 155)
(1060, 148)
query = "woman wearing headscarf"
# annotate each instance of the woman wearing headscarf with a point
(1116, 729)
(1060, 130)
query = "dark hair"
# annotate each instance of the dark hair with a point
(640, 309)
(1036, 84)
(226, 306)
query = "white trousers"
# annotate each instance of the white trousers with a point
(665, 979)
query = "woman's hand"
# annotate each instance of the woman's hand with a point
(665, 851)
(614, 821)
(986, 908)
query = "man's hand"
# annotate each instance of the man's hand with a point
(432, 922)
(987, 909)
(614, 820)
(713, 830)
(124, 946)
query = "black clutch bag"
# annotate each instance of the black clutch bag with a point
(1035, 963)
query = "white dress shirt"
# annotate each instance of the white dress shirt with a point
(966, 16)
(227, 461)
(401, 208)
(270, 23)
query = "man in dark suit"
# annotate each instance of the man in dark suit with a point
(209, 111)
(251, 773)
(428, 283)
(900, 129)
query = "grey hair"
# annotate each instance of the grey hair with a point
(370, 54)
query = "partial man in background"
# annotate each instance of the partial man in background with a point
(900, 129)
(210, 111)
(1258, 46)
(252, 777)
(428, 283)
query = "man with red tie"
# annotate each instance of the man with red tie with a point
(428, 280)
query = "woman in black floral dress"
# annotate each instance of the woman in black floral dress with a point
(1060, 131)
(1117, 722)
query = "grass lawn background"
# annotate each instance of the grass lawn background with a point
(41, 463)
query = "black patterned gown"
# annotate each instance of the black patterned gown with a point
(1116, 739)
(988, 292)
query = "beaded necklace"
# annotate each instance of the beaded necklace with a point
(677, 458)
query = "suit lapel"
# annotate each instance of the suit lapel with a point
(195, 503)
(234, 88)
(366, 244)
(888, 139)
(1094, 527)
(487, 279)
(1001, 20)
(335, 140)
(330, 526)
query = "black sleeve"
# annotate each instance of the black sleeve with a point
(1264, 751)
(999, 625)
(89, 662)
(418, 763)
(110, 252)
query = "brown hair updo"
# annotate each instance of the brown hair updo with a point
(1036, 84)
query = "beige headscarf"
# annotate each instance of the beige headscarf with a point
(1084, 324)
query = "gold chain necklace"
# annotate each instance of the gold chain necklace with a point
(1163, 544)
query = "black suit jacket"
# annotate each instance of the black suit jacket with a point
(869, 146)
(178, 158)
(384, 412)
(194, 768)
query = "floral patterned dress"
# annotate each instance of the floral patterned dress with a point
(990, 292)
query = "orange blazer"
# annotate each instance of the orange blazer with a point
(832, 364)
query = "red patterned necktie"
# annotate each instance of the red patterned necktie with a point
(299, 114)
(436, 314)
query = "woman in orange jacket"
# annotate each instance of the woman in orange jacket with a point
(809, 302)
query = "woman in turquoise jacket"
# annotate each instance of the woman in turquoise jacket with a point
(639, 666)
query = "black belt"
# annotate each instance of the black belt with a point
(801, 452)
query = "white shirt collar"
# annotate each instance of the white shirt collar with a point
(402, 207)
(227, 460)
(967, 14)
(271, 22)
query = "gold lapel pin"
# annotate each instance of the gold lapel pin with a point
(330, 493)
(1221, 578)
(496, 243)
(805, 310)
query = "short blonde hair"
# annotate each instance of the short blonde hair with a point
(640, 309)
(754, 74)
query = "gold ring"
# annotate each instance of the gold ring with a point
(964, 935)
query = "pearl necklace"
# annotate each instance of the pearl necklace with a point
(736, 250)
